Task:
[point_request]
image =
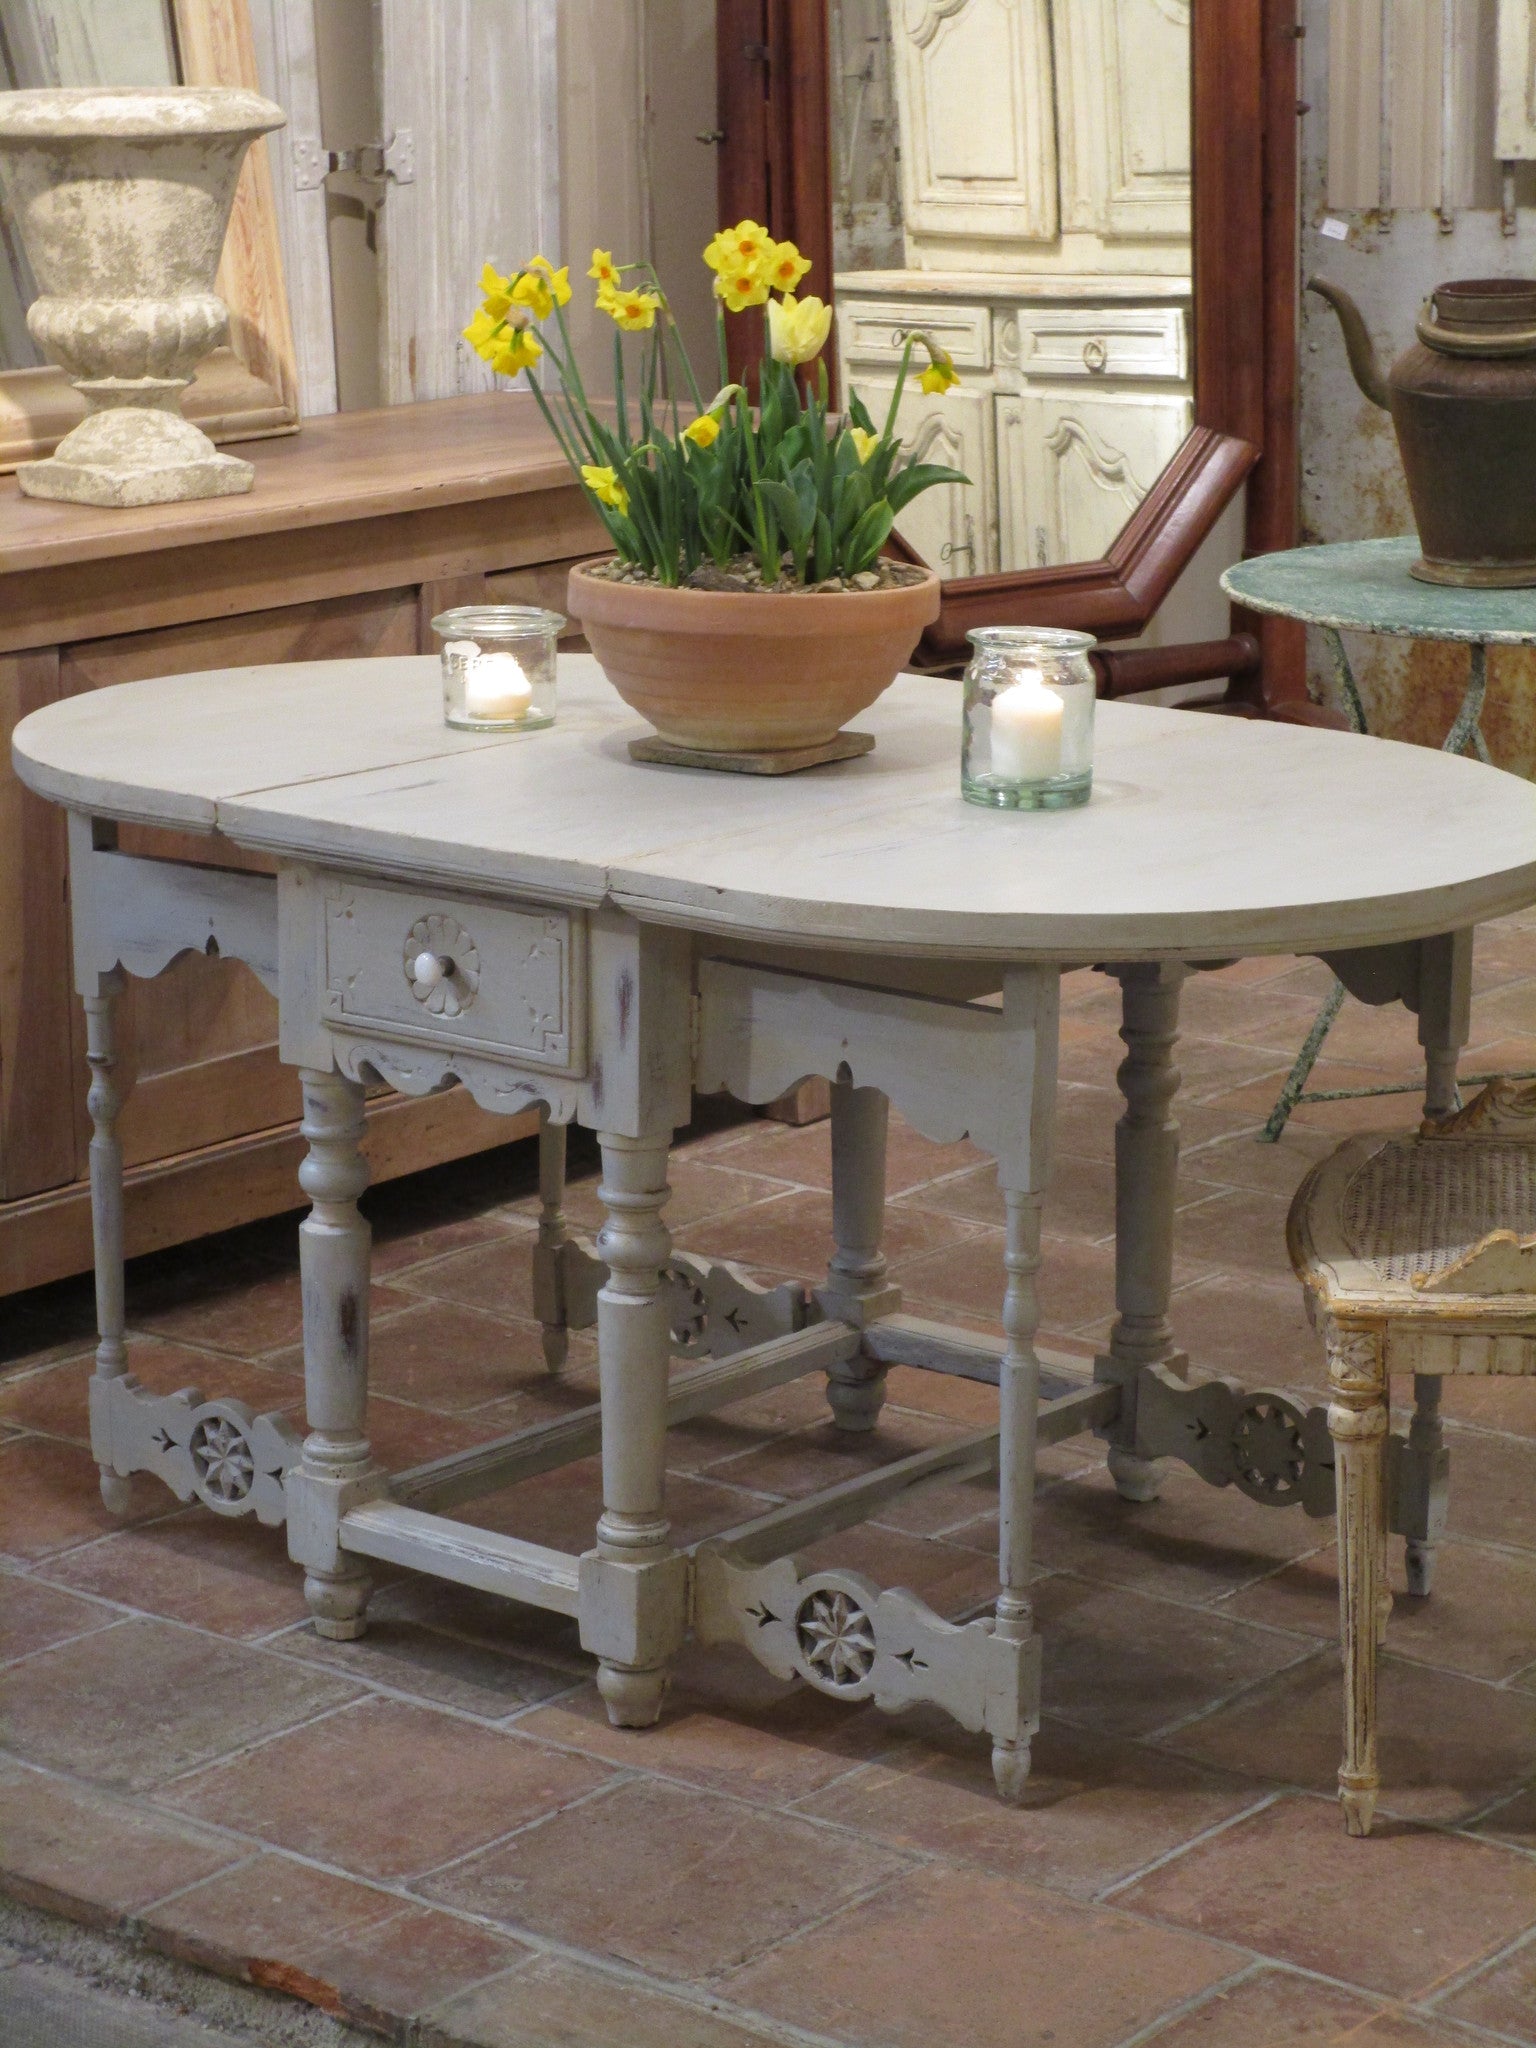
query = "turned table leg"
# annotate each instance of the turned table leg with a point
(548, 1257)
(856, 1288)
(1424, 1474)
(1018, 1405)
(1445, 1017)
(104, 1102)
(336, 1472)
(1146, 1184)
(1357, 1421)
(635, 1611)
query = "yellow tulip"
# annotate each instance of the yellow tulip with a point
(704, 431)
(864, 442)
(604, 269)
(738, 247)
(630, 310)
(784, 266)
(604, 485)
(797, 328)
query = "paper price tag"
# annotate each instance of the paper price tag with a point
(1335, 230)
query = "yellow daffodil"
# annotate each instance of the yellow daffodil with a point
(940, 373)
(604, 485)
(496, 291)
(784, 266)
(797, 328)
(741, 287)
(484, 333)
(630, 310)
(864, 442)
(703, 432)
(518, 349)
(604, 269)
(559, 280)
(540, 287)
(737, 248)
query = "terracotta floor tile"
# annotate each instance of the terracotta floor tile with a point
(166, 1699)
(403, 1434)
(1481, 1618)
(1493, 1488)
(504, 1626)
(396, 1251)
(382, 1974)
(1278, 1015)
(1271, 2009)
(251, 1921)
(50, 1498)
(1449, 1745)
(1080, 1202)
(677, 1882)
(1399, 1914)
(727, 1726)
(955, 1958)
(954, 1580)
(440, 1670)
(1507, 1010)
(1503, 1997)
(317, 1789)
(233, 1577)
(822, 1455)
(71, 1848)
(1252, 1328)
(561, 1508)
(1491, 1402)
(552, 2003)
(793, 1234)
(1240, 1232)
(1077, 1280)
(1513, 1821)
(497, 1276)
(804, 1154)
(701, 1188)
(262, 1313)
(1243, 1162)
(34, 1616)
(1094, 1810)
(1126, 1665)
(731, 1432)
(57, 1401)
(1195, 1543)
(1209, 1067)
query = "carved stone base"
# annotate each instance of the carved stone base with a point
(135, 457)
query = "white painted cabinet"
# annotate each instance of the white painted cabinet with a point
(953, 526)
(1074, 465)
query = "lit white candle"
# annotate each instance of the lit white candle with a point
(496, 687)
(1026, 729)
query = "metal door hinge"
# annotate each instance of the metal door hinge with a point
(379, 162)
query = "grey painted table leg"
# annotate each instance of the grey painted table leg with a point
(1146, 1184)
(548, 1258)
(1018, 1405)
(633, 1350)
(856, 1289)
(104, 1101)
(337, 1471)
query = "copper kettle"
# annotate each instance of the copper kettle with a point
(1463, 403)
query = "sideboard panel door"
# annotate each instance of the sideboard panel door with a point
(952, 527)
(1073, 466)
(1124, 97)
(973, 82)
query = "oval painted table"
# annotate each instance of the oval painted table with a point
(545, 922)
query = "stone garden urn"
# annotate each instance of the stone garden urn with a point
(122, 197)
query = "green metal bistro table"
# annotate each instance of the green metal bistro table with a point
(1364, 586)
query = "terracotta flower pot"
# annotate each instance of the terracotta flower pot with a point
(747, 671)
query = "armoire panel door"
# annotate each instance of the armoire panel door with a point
(1123, 86)
(973, 87)
(1074, 465)
(954, 526)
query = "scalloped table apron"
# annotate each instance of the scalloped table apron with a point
(544, 922)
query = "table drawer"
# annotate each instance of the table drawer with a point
(508, 982)
(874, 330)
(1103, 341)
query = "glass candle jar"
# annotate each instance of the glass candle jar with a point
(1027, 743)
(498, 666)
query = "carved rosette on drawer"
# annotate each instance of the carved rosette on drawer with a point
(424, 992)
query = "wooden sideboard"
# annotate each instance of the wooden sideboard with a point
(358, 531)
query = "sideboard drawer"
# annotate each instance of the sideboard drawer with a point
(1102, 341)
(504, 981)
(875, 330)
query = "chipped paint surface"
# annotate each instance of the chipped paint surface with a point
(1352, 480)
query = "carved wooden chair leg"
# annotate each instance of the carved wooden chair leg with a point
(549, 1303)
(1425, 1476)
(1146, 1177)
(856, 1289)
(337, 1471)
(1357, 1421)
(634, 1586)
(1019, 1400)
(104, 1101)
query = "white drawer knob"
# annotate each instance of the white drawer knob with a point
(428, 969)
(1095, 354)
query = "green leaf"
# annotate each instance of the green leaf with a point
(905, 485)
(868, 538)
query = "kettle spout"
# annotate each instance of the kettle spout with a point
(1362, 350)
